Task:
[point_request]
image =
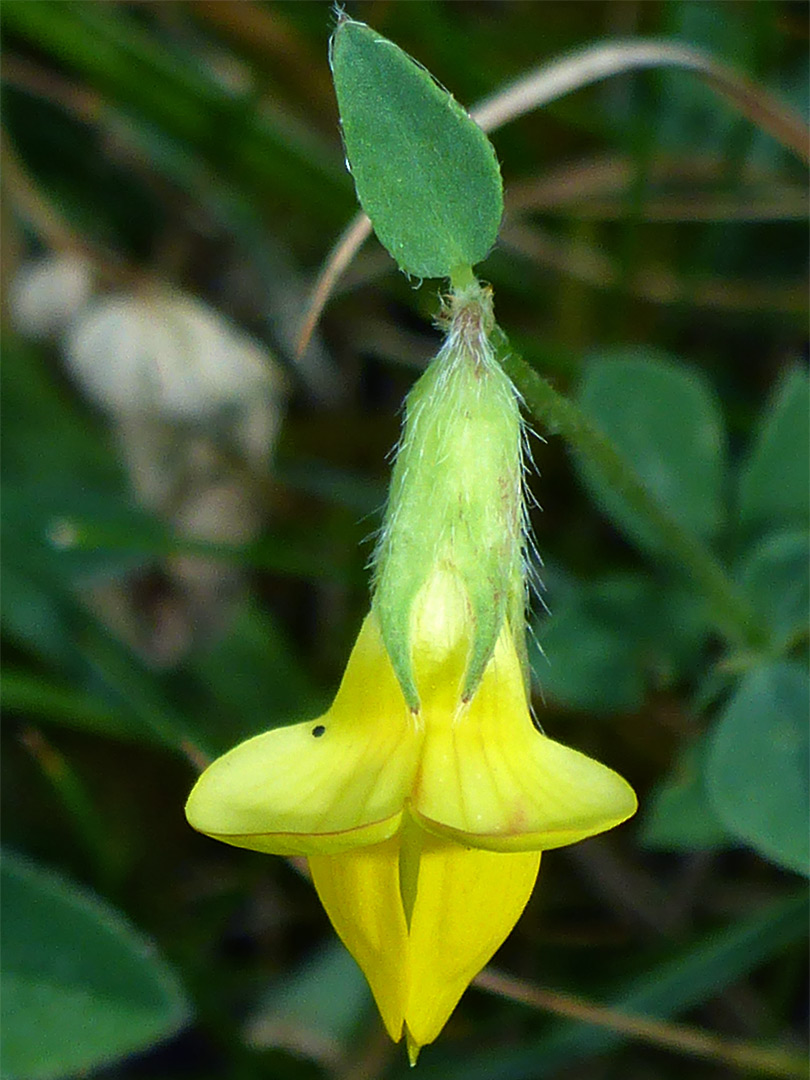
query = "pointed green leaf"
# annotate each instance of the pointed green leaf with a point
(757, 770)
(679, 816)
(315, 1010)
(663, 419)
(776, 576)
(81, 987)
(425, 174)
(775, 479)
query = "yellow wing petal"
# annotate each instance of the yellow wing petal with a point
(489, 778)
(323, 786)
(467, 903)
(360, 892)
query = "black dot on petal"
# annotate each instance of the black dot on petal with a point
(318, 730)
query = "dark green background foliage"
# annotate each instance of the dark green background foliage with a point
(650, 266)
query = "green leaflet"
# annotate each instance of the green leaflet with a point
(81, 987)
(775, 575)
(425, 174)
(679, 816)
(665, 422)
(610, 638)
(327, 994)
(757, 775)
(774, 480)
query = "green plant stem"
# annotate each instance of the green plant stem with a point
(730, 611)
(461, 278)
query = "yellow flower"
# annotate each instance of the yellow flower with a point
(423, 827)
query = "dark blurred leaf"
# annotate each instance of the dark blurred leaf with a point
(81, 987)
(664, 421)
(140, 694)
(316, 1009)
(360, 494)
(692, 118)
(606, 641)
(776, 576)
(32, 616)
(678, 814)
(58, 464)
(587, 664)
(758, 770)
(48, 441)
(251, 681)
(39, 534)
(774, 483)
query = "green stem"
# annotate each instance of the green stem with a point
(461, 278)
(732, 614)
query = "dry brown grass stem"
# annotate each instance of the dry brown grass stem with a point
(597, 62)
(50, 226)
(694, 1042)
(655, 283)
(597, 187)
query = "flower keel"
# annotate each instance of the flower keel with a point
(466, 902)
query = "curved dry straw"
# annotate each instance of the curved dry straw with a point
(694, 1042)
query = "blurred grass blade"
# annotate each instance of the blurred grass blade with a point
(38, 696)
(141, 696)
(101, 846)
(157, 84)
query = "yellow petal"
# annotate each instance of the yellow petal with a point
(489, 778)
(360, 892)
(324, 786)
(467, 902)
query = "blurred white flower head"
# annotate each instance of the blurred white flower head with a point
(48, 292)
(196, 406)
(167, 354)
